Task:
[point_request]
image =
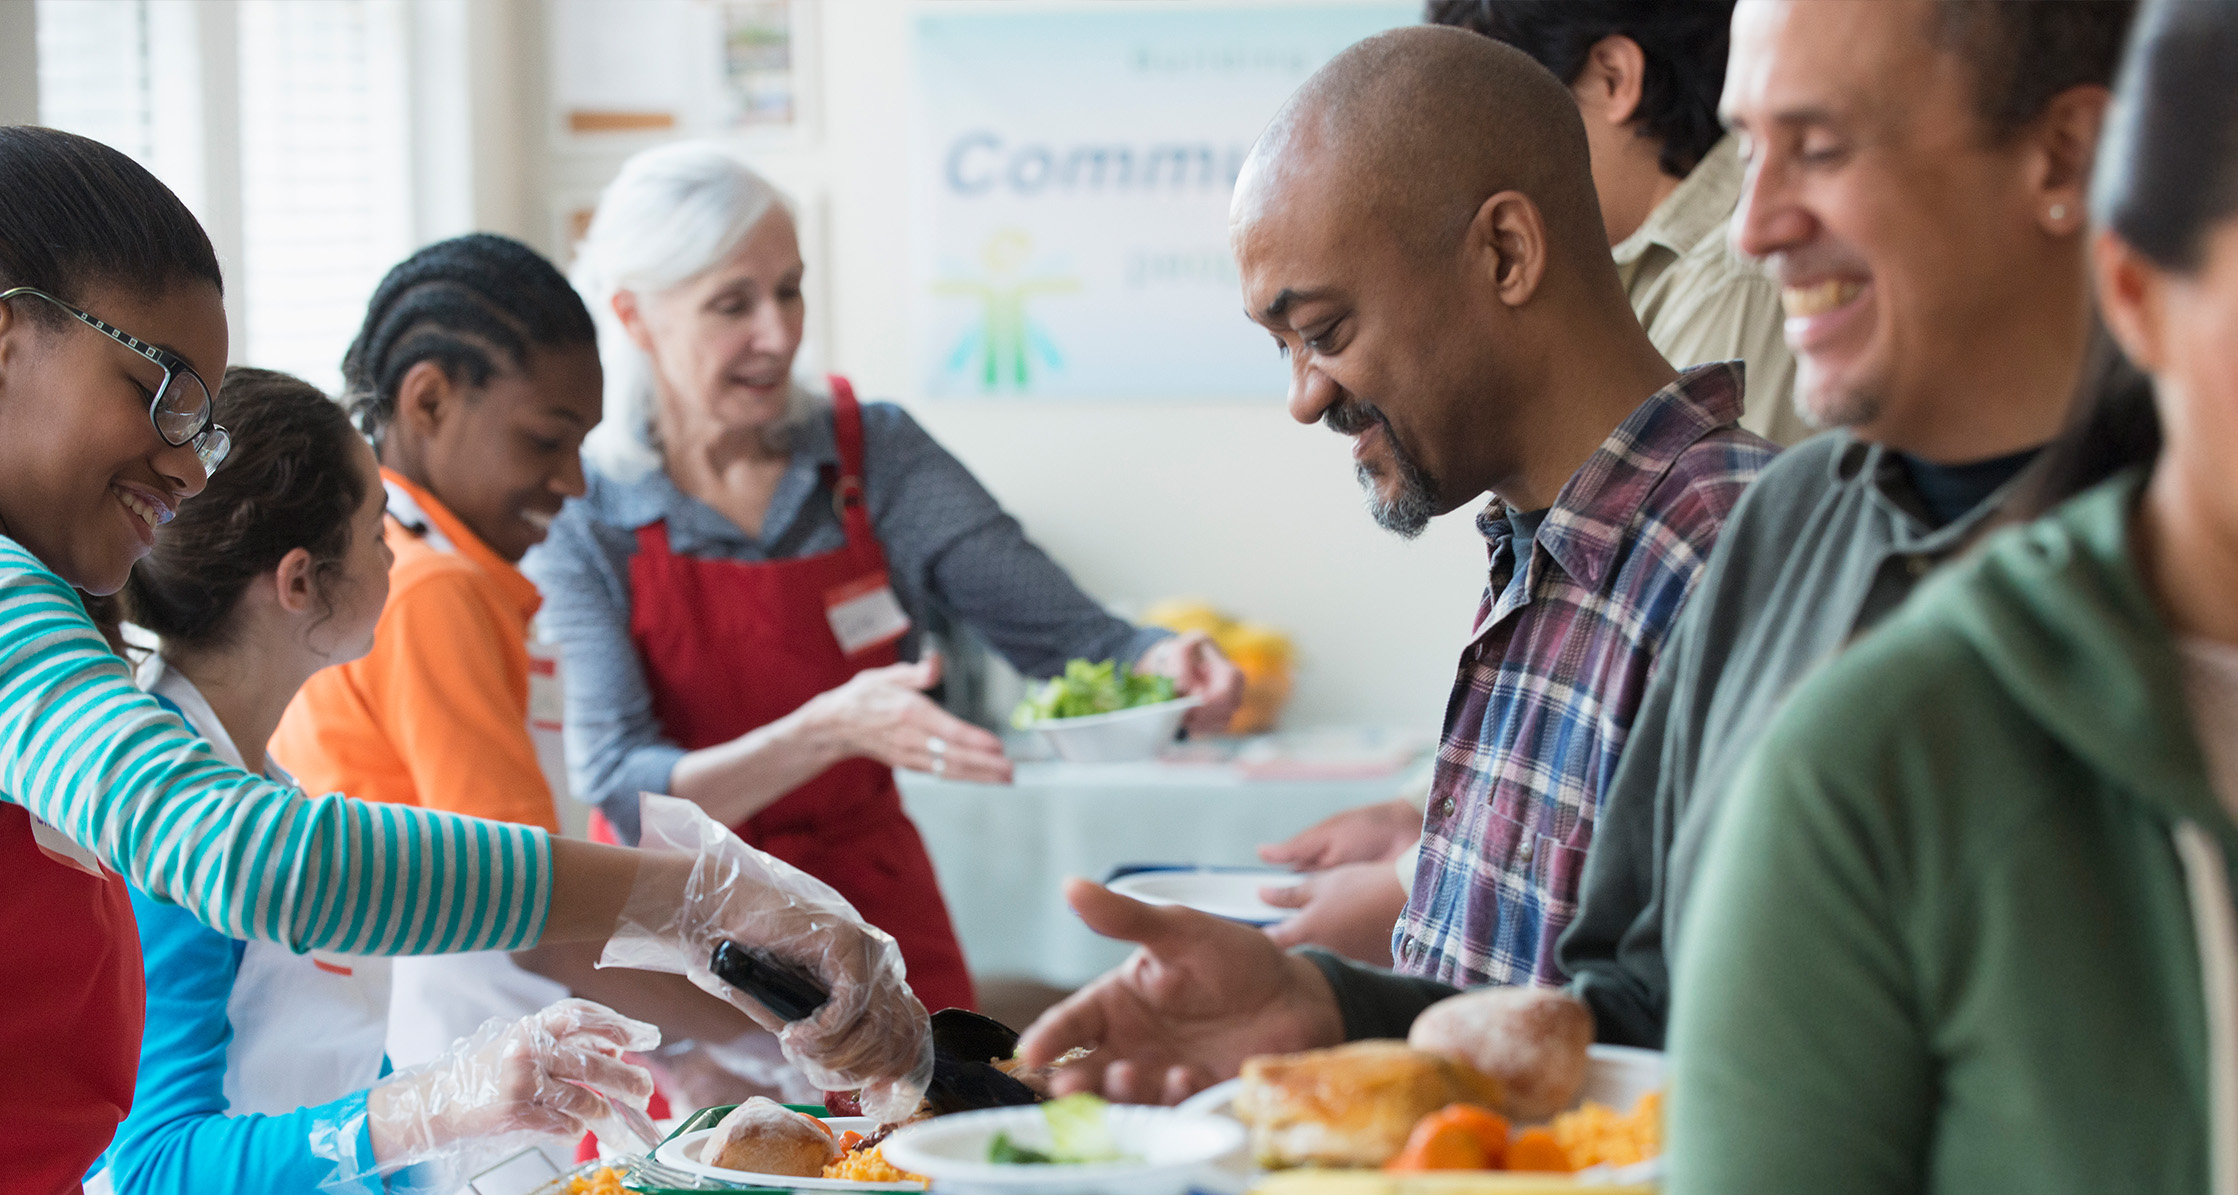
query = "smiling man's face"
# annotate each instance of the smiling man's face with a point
(1877, 198)
(1372, 330)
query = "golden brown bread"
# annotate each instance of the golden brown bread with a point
(1352, 1105)
(1532, 1040)
(765, 1137)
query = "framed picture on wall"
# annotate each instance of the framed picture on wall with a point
(649, 70)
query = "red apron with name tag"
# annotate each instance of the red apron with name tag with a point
(70, 1042)
(730, 646)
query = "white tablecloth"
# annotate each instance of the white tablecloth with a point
(1003, 851)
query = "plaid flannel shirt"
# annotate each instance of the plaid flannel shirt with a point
(1553, 674)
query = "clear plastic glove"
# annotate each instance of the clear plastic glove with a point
(871, 1033)
(546, 1078)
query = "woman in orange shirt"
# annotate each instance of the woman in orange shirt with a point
(476, 376)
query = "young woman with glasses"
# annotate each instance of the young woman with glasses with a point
(100, 786)
(262, 1069)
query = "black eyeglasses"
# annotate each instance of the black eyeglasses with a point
(182, 411)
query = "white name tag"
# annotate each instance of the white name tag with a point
(64, 851)
(547, 713)
(865, 614)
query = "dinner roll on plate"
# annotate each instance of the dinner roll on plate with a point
(1533, 1040)
(766, 1137)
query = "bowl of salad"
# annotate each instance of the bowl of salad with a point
(1071, 1146)
(1103, 712)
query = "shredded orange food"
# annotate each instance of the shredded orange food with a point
(871, 1166)
(1598, 1135)
(607, 1181)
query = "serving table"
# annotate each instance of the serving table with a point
(1003, 851)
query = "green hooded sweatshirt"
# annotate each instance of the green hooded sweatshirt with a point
(1965, 924)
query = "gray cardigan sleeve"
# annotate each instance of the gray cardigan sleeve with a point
(615, 745)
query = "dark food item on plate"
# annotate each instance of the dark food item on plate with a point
(781, 987)
(1352, 1105)
(765, 1137)
(1040, 1079)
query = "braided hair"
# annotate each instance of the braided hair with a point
(456, 303)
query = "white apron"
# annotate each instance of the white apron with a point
(307, 1028)
(436, 1000)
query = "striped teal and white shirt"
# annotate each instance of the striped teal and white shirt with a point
(87, 752)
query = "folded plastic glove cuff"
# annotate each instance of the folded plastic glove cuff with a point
(871, 1034)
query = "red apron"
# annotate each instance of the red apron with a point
(730, 646)
(70, 1041)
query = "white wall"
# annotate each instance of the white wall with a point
(1230, 502)
(19, 62)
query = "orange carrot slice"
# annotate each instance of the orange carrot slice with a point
(1536, 1149)
(1455, 1137)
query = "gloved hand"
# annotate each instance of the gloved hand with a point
(547, 1077)
(871, 1034)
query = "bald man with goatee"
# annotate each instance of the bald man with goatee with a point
(1417, 230)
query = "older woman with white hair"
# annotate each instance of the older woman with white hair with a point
(734, 595)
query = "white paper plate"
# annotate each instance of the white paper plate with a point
(682, 1152)
(1230, 894)
(1167, 1149)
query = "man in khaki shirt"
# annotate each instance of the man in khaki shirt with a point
(1646, 75)
(1701, 301)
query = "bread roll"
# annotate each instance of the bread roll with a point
(766, 1137)
(1349, 1106)
(1532, 1040)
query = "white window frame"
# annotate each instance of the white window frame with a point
(464, 75)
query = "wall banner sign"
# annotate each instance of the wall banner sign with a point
(1070, 176)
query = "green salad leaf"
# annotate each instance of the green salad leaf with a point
(1005, 1152)
(1087, 689)
(1079, 1133)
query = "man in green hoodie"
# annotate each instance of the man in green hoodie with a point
(1965, 924)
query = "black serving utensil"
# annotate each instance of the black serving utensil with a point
(970, 1037)
(783, 988)
(964, 1079)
